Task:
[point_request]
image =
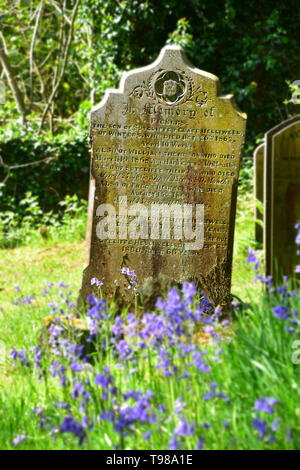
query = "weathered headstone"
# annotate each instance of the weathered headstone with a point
(258, 158)
(165, 141)
(282, 197)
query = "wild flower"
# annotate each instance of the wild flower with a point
(117, 328)
(21, 355)
(213, 393)
(253, 259)
(280, 311)
(173, 443)
(19, 439)
(184, 428)
(96, 282)
(70, 425)
(141, 412)
(200, 444)
(263, 427)
(62, 284)
(147, 435)
(133, 284)
(189, 291)
(124, 350)
(104, 379)
(265, 404)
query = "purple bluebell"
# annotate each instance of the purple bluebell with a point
(184, 428)
(260, 426)
(265, 404)
(200, 444)
(70, 425)
(173, 445)
(19, 439)
(280, 311)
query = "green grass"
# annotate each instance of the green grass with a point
(256, 362)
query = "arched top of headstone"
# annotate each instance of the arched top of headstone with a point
(170, 80)
(258, 148)
(282, 126)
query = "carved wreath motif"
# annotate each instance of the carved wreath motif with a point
(170, 87)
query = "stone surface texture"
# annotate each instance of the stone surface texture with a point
(258, 170)
(167, 136)
(282, 197)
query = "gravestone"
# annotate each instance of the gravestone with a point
(258, 158)
(166, 149)
(282, 197)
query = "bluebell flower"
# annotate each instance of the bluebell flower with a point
(56, 369)
(189, 291)
(21, 355)
(251, 256)
(265, 404)
(62, 284)
(70, 425)
(260, 426)
(173, 445)
(108, 415)
(206, 425)
(133, 284)
(118, 327)
(124, 350)
(184, 428)
(147, 435)
(62, 404)
(76, 366)
(179, 405)
(274, 425)
(213, 393)
(95, 281)
(280, 311)
(104, 380)
(19, 439)
(200, 444)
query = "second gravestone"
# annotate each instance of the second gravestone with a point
(282, 197)
(258, 158)
(165, 160)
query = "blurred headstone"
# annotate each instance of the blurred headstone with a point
(258, 158)
(282, 197)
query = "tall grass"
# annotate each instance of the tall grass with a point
(177, 379)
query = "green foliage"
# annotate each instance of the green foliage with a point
(254, 51)
(32, 225)
(66, 171)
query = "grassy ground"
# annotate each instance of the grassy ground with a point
(54, 259)
(256, 364)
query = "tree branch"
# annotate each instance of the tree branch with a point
(11, 80)
(62, 71)
(23, 165)
(34, 35)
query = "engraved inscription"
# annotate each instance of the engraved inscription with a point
(166, 138)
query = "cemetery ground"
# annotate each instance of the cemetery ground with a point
(186, 384)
